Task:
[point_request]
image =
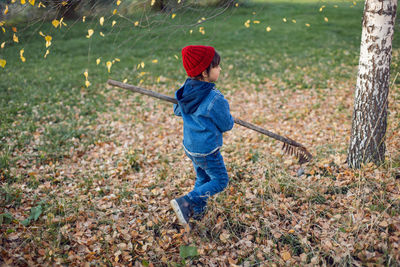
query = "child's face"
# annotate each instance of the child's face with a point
(213, 75)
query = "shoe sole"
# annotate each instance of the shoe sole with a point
(178, 211)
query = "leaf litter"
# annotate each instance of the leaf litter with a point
(108, 204)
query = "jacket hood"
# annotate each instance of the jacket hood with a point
(191, 94)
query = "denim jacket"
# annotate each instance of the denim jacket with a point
(205, 114)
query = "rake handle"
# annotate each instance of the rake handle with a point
(174, 101)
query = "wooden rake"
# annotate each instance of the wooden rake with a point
(290, 146)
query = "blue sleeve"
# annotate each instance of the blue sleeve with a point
(177, 110)
(221, 115)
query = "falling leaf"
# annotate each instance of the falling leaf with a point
(41, 34)
(4, 30)
(125, 81)
(86, 74)
(237, 4)
(308, 25)
(14, 29)
(117, 59)
(247, 23)
(21, 54)
(153, 2)
(176, 57)
(87, 83)
(41, 5)
(179, 1)
(118, 2)
(136, 23)
(101, 21)
(47, 52)
(321, 8)
(268, 29)
(32, 2)
(15, 38)
(3, 63)
(155, 61)
(294, 21)
(48, 39)
(55, 23)
(90, 33)
(64, 3)
(102, 34)
(142, 64)
(326, 19)
(256, 22)
(3, 44)
(6, 10)
(23, 2)
(109, 64)
(113, 23)
(83, 18)
(284, 20)
(114, 11)
(202, 31)
(98, 61)
(173, 16)
(335, 6)
(191, 31)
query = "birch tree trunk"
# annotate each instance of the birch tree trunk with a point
(369, 123)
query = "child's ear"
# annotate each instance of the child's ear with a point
(205, 74)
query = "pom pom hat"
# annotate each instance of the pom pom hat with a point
(197, 58)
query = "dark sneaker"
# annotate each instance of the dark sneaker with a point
(182, 209)
(198, 216)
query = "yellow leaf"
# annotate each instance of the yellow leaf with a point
(247, 23)
(109, 64)
(21, 54)
(47, 52)
(284, 19)
(256, 22)
(48, 39)
(176, 57)
(101, 21)
(102, 34)
(3, 63)
(2, 23)
(335, 6)
(142, 64)
(155, 61)
(83, 18)
(6, 10)
(41, 5)
(118, 2)
(32, 2)
(13, 1)
(14, 29)
(191, 31)
(23, 2)
(286, 256)
(322, 8)
(308, 25)
(55, 23)
(114, 12)
(90, 33)
(173, 16)
(98, 61)
(125, 80)
(294, 21)
(201, 29)
(3, 44)
(153, 2)
(86, 74)
(136, 23)
(15, 38)
(113, 23)
(117, 59)
(64, 3)
(4, 30)
(41, 34)
(268, 29)
(158, 79)
(87, 83)
(179, 1)
(326, 19)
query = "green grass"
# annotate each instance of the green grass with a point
(48, 97)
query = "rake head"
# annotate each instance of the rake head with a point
(299, 152)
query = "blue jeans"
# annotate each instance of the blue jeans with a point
(211, 178)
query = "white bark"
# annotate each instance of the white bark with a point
(370, 105)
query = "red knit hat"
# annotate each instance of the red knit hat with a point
(197, 58)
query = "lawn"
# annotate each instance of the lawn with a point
(87, 172)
